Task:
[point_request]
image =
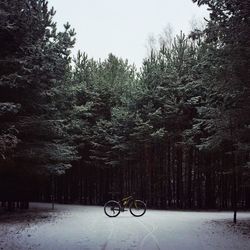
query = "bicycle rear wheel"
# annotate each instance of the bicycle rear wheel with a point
(112, 208)
(137, 208)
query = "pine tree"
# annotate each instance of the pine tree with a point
(227, 109)
(36, 61)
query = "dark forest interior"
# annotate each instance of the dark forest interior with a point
(76, 130)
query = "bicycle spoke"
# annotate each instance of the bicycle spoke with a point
(138, 208)
(112, 208)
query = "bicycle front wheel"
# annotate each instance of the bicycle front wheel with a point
(112, 208)
(138, 208)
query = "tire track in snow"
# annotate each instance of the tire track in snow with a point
(109, 236)
(149, 234)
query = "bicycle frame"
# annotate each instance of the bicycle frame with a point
(125, 202)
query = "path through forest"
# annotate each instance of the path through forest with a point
(87, 227)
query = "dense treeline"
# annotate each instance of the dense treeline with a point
(176, 132)
(34, 61)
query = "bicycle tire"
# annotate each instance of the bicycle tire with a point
(112, 208)
(137, 208)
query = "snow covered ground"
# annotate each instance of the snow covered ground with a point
(72, 227)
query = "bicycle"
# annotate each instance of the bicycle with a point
(136, 207)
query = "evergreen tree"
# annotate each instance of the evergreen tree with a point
(35, 64)
(227, 110)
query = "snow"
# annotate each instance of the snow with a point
(74, 227)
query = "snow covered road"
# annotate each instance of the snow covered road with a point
(76, 227)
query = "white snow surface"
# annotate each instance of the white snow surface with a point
(87, 227)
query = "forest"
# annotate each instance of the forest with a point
(176, 131)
